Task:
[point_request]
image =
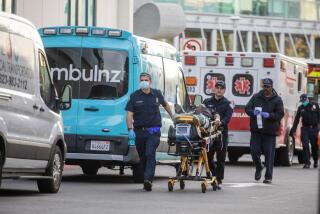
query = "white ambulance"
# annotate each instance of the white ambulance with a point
(243, 73)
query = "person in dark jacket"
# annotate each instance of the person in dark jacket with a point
(310, 114)
(219, 104)
(144, 123)
(265, 110)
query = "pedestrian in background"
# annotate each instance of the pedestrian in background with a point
(310, 114)
(221, 105)
(265, 110)
(144, 123)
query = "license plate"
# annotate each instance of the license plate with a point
(100, 145)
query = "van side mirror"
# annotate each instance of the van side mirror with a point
(65, 98)
(197, 100)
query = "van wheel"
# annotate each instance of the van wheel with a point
(90, 169)
(137, 173)
(233, 156)
(55, 170)
(286, 153)
(1, 165)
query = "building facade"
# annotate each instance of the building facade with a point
(290, 27)
(44, 13)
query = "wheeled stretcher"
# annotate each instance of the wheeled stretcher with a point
(191, 138)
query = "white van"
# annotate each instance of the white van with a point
(32, 143)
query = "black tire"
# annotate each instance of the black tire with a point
(170, 186)
(182, 185)
(233, 156)
(55, 170)
(286, 153)
(90, 169)
(1, 165)
(137, 173)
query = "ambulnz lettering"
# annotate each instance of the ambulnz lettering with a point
(94, 75)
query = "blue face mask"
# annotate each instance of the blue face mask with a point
(305, 103)
(144, 85)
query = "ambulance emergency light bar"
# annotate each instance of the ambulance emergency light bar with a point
(83, 31)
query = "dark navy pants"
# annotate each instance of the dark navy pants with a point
(217, 168)
(309, 135)
(147, 145)
(263, 144)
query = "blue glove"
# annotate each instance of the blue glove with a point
(256, 112)
(265, 114)
(131, 135)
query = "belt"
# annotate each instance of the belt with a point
(142, 128)
(311, 126)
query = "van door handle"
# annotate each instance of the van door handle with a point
(91, 109)
(35, 107)
(41, 109)
(5, 97)
(105, 130)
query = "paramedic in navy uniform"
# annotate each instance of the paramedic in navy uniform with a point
(219, 104)
(144, 123)
(310, 114)
(265, 108)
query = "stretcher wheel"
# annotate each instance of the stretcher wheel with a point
(203, 187)
(170, 186)
(182, 184)
(214, 186)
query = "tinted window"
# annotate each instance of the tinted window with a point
(242, 85)
(210, 82)
(93, 73)
(171, 80)
(46, 88)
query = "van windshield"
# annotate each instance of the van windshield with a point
(93, 73)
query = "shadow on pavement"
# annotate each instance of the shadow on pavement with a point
(17, 193)
(103, 178)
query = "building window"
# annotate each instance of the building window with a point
(81, 12)
(308, 10)
(8, 6)
(228, 39)
(267, 42)
(260, 7)
(300, 45)
(317, 48)
(292, 9)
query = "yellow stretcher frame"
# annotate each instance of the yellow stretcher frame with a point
(184, 174)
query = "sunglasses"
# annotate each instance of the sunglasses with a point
(267, 86)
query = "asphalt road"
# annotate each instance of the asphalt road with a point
(294, 190)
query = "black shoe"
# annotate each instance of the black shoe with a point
(315, 165)
(306, 166)
(257, 175)
(267, 181)
(147, 186)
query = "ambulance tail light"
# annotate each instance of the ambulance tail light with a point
(268, 62)
(211, 60)
(190, 60)
(191, 81)
(229, 60)
(246, 62)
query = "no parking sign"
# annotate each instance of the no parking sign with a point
(193, 44)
